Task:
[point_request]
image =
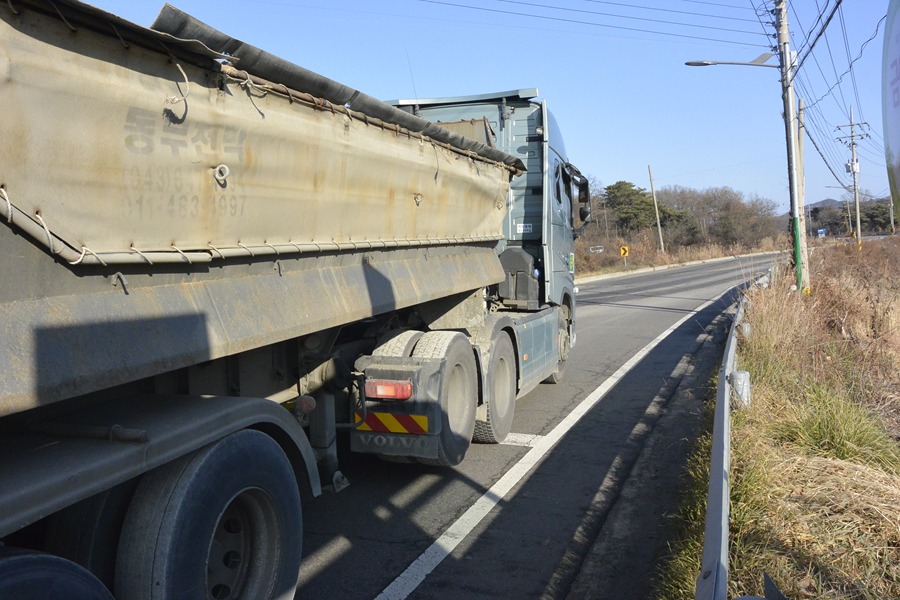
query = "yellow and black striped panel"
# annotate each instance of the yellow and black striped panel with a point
(394, 423)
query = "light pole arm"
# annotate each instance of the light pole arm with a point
(759, 61)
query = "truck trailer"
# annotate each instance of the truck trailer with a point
(217, 266)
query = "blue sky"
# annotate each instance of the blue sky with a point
(612, 72)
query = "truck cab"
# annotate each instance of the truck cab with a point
(545, 205)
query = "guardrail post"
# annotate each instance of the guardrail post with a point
(740, 385)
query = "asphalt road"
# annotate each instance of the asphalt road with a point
(523, 519)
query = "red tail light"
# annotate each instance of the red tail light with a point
(389, 389)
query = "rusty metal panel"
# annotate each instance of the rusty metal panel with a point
(113, 151)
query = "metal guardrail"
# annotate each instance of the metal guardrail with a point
(733, 392)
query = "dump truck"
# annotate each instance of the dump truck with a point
(218, 266)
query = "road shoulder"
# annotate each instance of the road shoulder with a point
(624, 558)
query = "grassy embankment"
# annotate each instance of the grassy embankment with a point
(816, 459)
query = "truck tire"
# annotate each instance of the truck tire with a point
(495, 416)
(222, 522)
(87, 532)
(565, 345)
(39, 576)
(399, 344)
(459, 394)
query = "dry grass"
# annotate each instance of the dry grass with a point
(643, 251)
(839, 524)
(816, 458)
(824, 520)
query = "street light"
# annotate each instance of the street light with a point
(786, 60)
(759, 61)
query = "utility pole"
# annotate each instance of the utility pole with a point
(801, 187)
(787, 93)
(853, 167)
(891, 205)
(662, 246)
(606, 220)
(849, 216)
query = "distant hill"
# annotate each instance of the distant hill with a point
(826, 203)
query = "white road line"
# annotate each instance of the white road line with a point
(415, 574)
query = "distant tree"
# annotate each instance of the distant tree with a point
(632, 206)
(624, 193)
(831, 218)
(688, 228)
(762, 221)
(721, 215)
(726, 210)
(815, 214)
(685, 231)
(679, 198)
(875, 216)
(637, 215)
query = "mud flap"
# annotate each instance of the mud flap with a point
(401, 427)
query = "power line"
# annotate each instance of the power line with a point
(800, 25)
(816, 146)
(871, 156)
(632, 18)
(816, 121)
(719, 4)
(852, 72)
(813, 124)
(670, 10)
(834, 70)
(841, 107)
(821, 31)
(877, 146)
(817, 124)
(817, 21)
(759, 14)
(588, 23)
(861, 49)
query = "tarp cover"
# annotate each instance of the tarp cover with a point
(112, 151)
(277, 70)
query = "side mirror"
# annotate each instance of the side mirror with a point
(584, 192)
(584, 198)
(581, 182)
(584, 214)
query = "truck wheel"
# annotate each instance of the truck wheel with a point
(565, 345)
(88, 532)
(399, 344)
(494, 417)
(39, 576)
(222, 522)
(459, 393)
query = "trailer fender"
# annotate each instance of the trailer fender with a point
(52, 464)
